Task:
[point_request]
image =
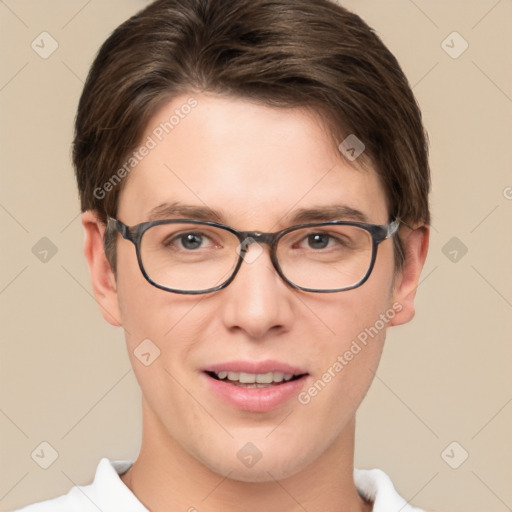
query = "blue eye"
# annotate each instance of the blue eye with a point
(191, 241)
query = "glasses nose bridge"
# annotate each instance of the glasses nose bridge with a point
(250, 237)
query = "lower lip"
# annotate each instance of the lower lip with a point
(256, 399)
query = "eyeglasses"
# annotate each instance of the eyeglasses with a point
(195, 257)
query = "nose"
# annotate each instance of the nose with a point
(257, 301)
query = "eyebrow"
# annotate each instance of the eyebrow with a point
(301, 216)
(327, 213)
(167, 210)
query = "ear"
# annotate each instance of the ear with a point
(102, 277)
(415, 244)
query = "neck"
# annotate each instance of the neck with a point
(167, 477)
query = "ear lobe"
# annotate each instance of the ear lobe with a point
(415, 245)
(102, 277)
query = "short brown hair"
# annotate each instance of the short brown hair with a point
(283, 53)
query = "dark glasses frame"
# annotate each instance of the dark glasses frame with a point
(134, 234)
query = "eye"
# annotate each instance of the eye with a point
(191, 240)
(318, 240)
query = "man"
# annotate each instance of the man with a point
(254, 184)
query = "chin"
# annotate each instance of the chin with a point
(269, 473)
(266, 469)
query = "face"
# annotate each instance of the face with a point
(255, 166)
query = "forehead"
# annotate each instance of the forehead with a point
(253, 165)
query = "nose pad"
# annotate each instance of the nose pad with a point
(250, 250)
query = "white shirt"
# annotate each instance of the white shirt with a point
(108, 493)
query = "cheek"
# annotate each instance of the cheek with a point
(148, 312)
(160, 332)
(156, 321)
(355, 329)
(346, 367)
(144, 308)
(357, 314)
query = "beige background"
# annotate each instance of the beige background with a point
(65, 377)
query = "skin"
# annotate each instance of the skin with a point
(256, 165)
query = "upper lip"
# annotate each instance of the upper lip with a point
(255, 367)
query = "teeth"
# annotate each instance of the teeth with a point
(274, 376)
(247, 378)
(251, 378)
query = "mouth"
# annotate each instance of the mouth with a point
(254, 380)
(255, 386)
